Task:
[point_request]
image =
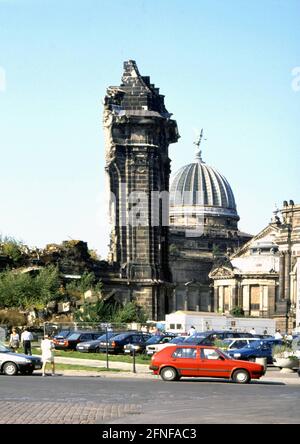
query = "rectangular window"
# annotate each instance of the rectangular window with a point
(209, 353)
(185, 353)
(239, 344)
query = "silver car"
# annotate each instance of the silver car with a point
(12, 363)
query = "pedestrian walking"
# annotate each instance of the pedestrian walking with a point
(26, 338)
(253, 331)
(14, 339)
(47, 347)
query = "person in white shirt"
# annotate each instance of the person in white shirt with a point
(278, 335)
(47, 348)
(26, 338)
(192, 331)
(253, 331)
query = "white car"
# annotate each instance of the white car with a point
(12, 363)
(153, 348)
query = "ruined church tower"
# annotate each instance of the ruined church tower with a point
(138, 130)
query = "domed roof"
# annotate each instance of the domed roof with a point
(200, 185)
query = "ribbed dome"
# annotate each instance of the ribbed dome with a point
(200, 185)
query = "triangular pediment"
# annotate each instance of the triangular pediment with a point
(221, 272)
(267, 235)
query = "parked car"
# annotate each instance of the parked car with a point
(71, 341)
(94, 345)
(262, 348)
(178, 361)
(11, 363)
(236, 343)
(153, 348)
(221, 335)
(116, 344)
(61, 336)
(197, 337)
(141, 346)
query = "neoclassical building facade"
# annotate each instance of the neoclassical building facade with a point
(263, 276)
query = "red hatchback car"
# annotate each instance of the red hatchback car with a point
(176, 361)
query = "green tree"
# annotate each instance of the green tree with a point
(11, 248)
(101, 311)
(105, 311)
(86, 282)
(131, 312)
(24, 290)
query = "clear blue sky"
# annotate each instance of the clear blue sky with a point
(222, 65)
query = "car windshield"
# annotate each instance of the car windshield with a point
(193, 338)
(109, 335)
(73, 336)
(62, 334)
(3, 349)
(121, 337)
(154, 340)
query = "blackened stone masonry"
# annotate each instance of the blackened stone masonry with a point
(138, 130)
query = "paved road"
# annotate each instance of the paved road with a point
(105, 400)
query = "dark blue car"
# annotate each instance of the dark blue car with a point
(262, 348)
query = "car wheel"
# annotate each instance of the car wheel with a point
(10, 368)
(169, 374)
(241, 376)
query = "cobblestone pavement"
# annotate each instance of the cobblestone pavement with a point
(45, 412)
(77, 397)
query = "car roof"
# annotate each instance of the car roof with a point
(85, 332)
(182, 345)
(246, 338)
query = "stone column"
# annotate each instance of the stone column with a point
(216, 298)
(298, 294)
(174, 299)
(271, 299)
(239, 294)
(211, 299)
(221, 298)
(246, 299)
(281, 275)
(287, 281)
(186, 295)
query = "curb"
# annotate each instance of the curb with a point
(291, 380)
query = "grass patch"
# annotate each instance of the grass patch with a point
(83, 367)
(139, 359)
